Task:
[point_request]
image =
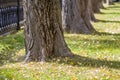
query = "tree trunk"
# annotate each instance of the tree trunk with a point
(92, 17)
(76, 16)
(101, 4)
(43, 30)
(96, 6)
(109, 2)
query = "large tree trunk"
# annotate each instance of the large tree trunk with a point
(43, 30)
(76, 16)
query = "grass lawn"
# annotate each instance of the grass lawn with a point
(97, 55)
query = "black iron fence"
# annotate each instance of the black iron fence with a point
(11, 14)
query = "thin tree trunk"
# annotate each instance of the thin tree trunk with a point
(43, 30)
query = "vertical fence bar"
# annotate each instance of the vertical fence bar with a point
(18, 14)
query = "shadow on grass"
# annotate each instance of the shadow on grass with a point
(8, 60)
(18, 59)
(81, 61)
(108, 21)
(106, 33)
(94, 43)
(115, 6)
(111, 13)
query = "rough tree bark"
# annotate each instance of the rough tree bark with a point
(76, 16)
(43, 30)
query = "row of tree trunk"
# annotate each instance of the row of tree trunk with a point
(77, 14)
(44, 25)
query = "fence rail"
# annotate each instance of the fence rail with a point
(11, 13)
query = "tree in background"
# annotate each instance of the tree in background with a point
(108, 2)
(76, 16)
(96, 6)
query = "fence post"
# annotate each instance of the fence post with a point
(18, 14)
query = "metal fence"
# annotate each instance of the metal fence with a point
(11, 14)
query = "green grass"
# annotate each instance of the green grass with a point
(10, 46)
(97, 55)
